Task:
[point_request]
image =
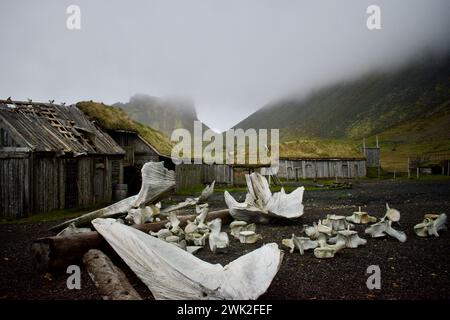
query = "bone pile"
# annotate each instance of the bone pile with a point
(157, 183)
(335, 233)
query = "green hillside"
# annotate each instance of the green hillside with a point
(112, 118)
(408, 108)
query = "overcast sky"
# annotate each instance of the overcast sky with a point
(230, 56)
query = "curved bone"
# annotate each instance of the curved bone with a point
(261, 205)
(384, 227)
(156, 182)
(218, 241)
(206, 193)
(142, 215)
(315, 231)
(360, 217)
(171, 273)
(431, 225)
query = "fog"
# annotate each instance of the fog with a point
(231, 56)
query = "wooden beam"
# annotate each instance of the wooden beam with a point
(111, 282)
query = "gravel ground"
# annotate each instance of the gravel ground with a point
(416, 269)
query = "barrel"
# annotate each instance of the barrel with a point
(120, 191)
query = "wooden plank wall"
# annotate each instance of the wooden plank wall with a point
(14, 187)
(310, 169)
(188, 175)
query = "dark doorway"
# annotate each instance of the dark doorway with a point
(132, 177)
(71, 190)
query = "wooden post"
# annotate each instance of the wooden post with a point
(409, 171)
(417, 172)
(111, 282)
(394, 174)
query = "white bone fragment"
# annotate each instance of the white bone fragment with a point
(218, 241)
(142, 215)
(190, 202)
(431, 224)
(206, 193)
(361, 217)
(301, 243)
(197, 239)
(392, 214)
(261, 205)
(171, 273)
(248, 236)
(336, 222)
(236, 227)
(380, 229)
(193, 249)
(349, 237)
(162, 234)
(314, 231)
(71, 230)
(172, 239)
(325, 252)
(288, 243)
(174, 224)
(156, 182)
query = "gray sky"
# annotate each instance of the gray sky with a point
(230, 56)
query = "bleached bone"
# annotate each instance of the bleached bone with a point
(193, 249)
(392, 214)
(171, 273)
(190, 202)
(218, 241)
(71, 229)
(316, 230)
(380, 229)
(336, 223)
(431, 224)
(162, 234)
(157, 181)
(360, 217)
(301, 243)
(174, 224)
(142, 215)
(261, 205)
(237, 226)
(325, 252)
(248, 236)
(349, 237)
(198, 225)
(197, 239)
(206, 193)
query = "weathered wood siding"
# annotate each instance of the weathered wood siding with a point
(188, 175)
(14, 185)
(34, 184)
(312, 169)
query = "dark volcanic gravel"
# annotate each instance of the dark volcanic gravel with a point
(416, 269)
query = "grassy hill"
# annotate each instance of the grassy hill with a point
(113, 118)
(408, 108)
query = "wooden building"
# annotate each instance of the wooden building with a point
(137, 152)
(318, 168)
(53, 157)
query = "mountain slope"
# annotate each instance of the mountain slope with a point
(161, 114)
(361, 107)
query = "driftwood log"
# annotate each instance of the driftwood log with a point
(111, 282)
(53, 253)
